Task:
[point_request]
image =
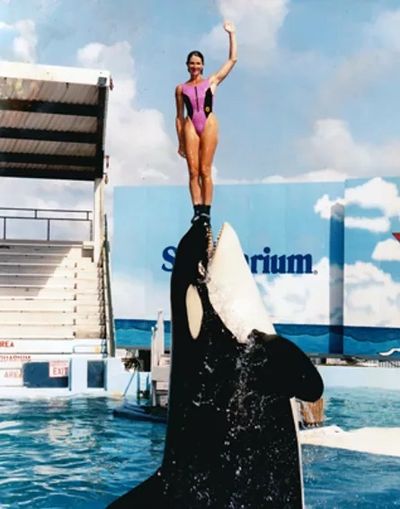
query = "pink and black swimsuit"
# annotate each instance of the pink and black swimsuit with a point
(198, 100)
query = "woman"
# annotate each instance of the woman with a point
(198, 132)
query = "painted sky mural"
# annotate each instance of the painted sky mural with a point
(323, 255)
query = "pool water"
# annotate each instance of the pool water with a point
(72, 453)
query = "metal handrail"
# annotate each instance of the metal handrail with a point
(105, 261)
(78, 211)
(88, 217)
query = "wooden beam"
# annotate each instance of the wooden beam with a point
(54, 173)
(29, 158)
(45, 135)
(85, 110)
(100, 129)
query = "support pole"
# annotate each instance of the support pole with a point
(98, 215)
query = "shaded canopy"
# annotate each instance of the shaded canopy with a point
(52, 121)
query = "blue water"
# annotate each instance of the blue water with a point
(311, 338)
(72, 453)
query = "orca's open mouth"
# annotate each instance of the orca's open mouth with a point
(232, 289)
(194, 307)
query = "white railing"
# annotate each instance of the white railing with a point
(14, 215)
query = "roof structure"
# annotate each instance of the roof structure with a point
(52, 121)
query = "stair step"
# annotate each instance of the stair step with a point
(44, 246)
(58, 298)
(22, 304)
(46, 269)
(33, 331)
(46, 279)
(39, 248)
(7, 255)
(49, 291)
(47, 306)
(57, 292)
(10, 332)
(42, 242)
(25, 318)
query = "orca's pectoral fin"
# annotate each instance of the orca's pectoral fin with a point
(295, 374)
(308, 384)
(147, 495)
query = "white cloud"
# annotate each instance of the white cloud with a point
(25, 40)
(374, 225)
(312, 176)
(325, 175)
(257, 22)
(387, 250)
(141, 152)
(372, 298)
(331, 145)
(139, 298)
(361, 273)
(375, 193)
(327, 208)
(306, 298)
(25, 44)
(384, 30)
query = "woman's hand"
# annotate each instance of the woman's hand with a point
(181, 152)
(229, 27)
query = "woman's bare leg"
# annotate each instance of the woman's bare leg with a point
(192, 147)
(208, 144)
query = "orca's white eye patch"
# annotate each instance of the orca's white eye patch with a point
(194, 311)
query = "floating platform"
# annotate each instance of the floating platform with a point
(142, 412)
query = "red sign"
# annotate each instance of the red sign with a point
(11, 373)
(6, 344)
(15, 358)
(58, 369)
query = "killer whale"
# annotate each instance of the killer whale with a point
(231, 437)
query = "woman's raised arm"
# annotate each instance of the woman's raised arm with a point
(222, 73)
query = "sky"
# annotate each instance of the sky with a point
(312, 97)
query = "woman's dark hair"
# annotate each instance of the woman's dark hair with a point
(195, 53)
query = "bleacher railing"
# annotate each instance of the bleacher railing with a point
(9, 215)
(104, 265)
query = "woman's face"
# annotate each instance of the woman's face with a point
(195, 66)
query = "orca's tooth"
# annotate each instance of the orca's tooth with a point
(210, 244)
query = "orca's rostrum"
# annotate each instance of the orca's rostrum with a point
(231, 437)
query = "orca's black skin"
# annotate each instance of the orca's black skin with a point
(231, 440)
